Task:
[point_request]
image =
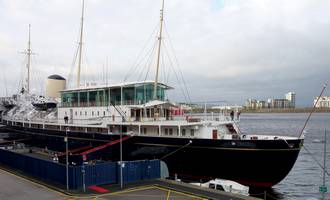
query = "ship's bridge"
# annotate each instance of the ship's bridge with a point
(129, 93)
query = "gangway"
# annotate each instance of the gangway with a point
(111, 143)
(77, 150)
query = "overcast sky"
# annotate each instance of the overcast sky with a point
(227, 50)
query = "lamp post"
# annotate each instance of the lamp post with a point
(67, 157)
(324, 164)
(83, 173)
(121, 157)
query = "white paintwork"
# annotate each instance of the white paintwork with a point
(110, 120)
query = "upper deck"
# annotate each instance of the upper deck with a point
(129, 93)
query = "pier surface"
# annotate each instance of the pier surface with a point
(15, 186)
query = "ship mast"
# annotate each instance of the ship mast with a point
(80, 43)
(29, 60)
(28, 52)
(159, 48)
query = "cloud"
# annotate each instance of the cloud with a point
(228, 50)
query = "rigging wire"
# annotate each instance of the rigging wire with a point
(147, 59)
(5, 81)
(175, 73)
(37, 77)
(148, 63)
(21, 82)
(317, 162)
(107, 71)
(177, 62)
(136, 62)
(88, 70)
(151, 58)
(74, 59)
(163, 68)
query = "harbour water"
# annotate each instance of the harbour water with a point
(304, 180)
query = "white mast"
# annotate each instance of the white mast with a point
(29, 60)
(80, 43)
(159, 48)
(28, 52)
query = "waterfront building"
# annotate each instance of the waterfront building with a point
(324, 102)
(251, 104)
(288, 102)
(260, 104)
(269, 103)
(281, 103)
(291, 97)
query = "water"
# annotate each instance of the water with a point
(303, 182)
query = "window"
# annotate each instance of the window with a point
(85, 113)
(171, 131)
(98, 113)
(75, 113)
(166, 131)
(83, 99)
(128, 96)
(145, 131)
(192, 132)
(92, 98)
(80, 113)
(92, 113)
(183, 132)
(103, 113)
(66, 113)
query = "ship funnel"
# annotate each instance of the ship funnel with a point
(54, 84)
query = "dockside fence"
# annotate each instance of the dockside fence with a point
(96, 174)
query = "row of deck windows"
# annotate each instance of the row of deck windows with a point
(81, 113)
(134, 95)
(169, 131)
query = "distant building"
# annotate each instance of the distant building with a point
(251, 104)
(324, 102)
(260, 104)
(269, 103)
(291, 97)
(288, 102)
(281, 103)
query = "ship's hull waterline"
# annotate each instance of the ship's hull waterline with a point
(256, 163)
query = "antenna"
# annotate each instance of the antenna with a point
(159, 47)
(80, 43)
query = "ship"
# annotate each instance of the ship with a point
(137, 115)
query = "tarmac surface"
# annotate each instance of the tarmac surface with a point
(15, 187)
(18, 187)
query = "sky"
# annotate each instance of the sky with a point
(227, 50)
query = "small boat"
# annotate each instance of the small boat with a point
(42, 103)
(226, 185)
(8, 103)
